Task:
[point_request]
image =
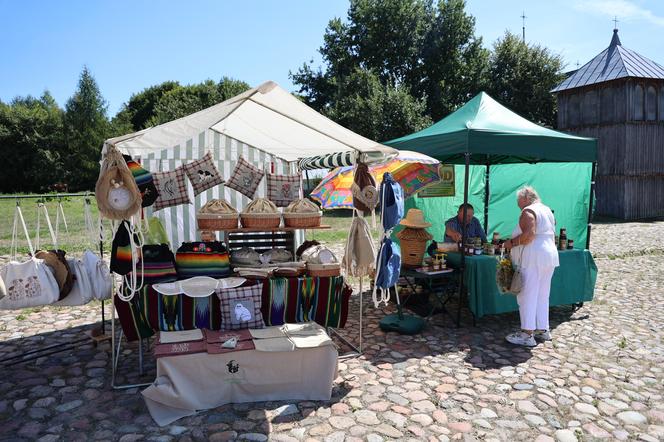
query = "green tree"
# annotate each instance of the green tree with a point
(376, 111)
(86, 127)
(522, 76)
(169, 100)
(31, 141)
(454, 64)
(411, 46)
(141, 106)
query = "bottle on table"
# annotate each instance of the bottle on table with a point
(562, 245)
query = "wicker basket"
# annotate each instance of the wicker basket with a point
(413, 244)
(260, 220)
(302, 219)
(324, 269)
(217, 221)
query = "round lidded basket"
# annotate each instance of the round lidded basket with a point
(324, 269)
(260, 220)
(292, 219)
(413, 245)
(217, 221)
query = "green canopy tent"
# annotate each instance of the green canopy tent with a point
(483, 132)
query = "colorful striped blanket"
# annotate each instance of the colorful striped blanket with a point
(285, 300)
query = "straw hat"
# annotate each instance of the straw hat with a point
(415, 218)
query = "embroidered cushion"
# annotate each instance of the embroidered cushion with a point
(203, 174)
(171, 187)
(241, 307)
(245, 178)
(283, 189)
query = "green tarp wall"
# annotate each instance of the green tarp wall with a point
(565, 187)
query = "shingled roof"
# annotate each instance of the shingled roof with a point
(612, 63)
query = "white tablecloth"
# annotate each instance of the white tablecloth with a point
(201, 381)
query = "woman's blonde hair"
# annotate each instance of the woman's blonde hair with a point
(528, 193)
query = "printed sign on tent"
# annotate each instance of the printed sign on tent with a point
(444, 187)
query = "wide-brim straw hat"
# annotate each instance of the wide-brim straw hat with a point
(415, 219)
(59, 270)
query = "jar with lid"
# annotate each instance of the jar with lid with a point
(570, 244)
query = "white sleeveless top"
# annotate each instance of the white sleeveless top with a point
(541, 252)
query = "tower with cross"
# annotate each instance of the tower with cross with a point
(618, 98)
(523, 26)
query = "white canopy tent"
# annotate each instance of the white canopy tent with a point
(266, 125)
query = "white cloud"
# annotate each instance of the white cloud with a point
(625, 10)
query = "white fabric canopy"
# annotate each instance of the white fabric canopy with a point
(267, 118)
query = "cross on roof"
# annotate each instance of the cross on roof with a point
(615, 22)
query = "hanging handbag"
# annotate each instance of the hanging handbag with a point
(29, 283)
(157, 264)
(202, 259)
(101, 282)
(116, 191)
(144, 181)
(517, 278)
(54, 258)
(81, 292)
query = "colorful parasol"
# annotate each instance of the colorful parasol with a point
(414, 171)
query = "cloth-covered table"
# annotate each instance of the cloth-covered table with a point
(284, 300)
(201, 381)
(573, 282)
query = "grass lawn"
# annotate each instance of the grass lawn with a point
(75, 238)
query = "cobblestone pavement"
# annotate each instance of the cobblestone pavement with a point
(601, 377)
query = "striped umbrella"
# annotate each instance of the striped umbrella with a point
(414, 171)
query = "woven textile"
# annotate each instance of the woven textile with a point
(157, 264)
(144, 181)
(283, 301)
(283, 189)
(171, 187)
(202, 259)
(295, 300)
(241, 307)
(245, 178)
(203, 174)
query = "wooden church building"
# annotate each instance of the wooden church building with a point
(618, 98)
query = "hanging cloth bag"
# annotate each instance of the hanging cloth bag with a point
(364, 191)
(144, 181)
(29, 283)
(54, 258)
(388, 265)
(116, 191)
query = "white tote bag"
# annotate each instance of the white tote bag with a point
(30, 283)
(81, 292)
(99, 276)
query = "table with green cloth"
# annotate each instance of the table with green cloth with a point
(573, 282)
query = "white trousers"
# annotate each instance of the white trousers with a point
(534, 298)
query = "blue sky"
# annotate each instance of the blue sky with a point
(130, 45)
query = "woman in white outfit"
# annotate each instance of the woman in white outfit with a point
(534, 251)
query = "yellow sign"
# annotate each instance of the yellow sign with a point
(444, 187)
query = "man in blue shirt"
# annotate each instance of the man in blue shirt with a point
(473, 227)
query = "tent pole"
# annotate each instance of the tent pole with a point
(486, 199)
(306, 172)
(590, 203)
(463, 236)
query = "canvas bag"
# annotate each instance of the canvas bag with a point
(364, 190)
(81, 292)
(517, 278)
(55, 258)
(101, 282)
(29, 283)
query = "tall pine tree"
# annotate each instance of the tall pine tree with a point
(86, 127)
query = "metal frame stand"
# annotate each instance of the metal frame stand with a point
(357, 350)
(35, 354)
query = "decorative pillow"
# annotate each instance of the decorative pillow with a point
(203, 174)
(171, 188)
(241, 307)
(283, 189)
(245, 178)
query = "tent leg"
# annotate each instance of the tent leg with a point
(486, 200)
(590, 204)
(463, 237)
